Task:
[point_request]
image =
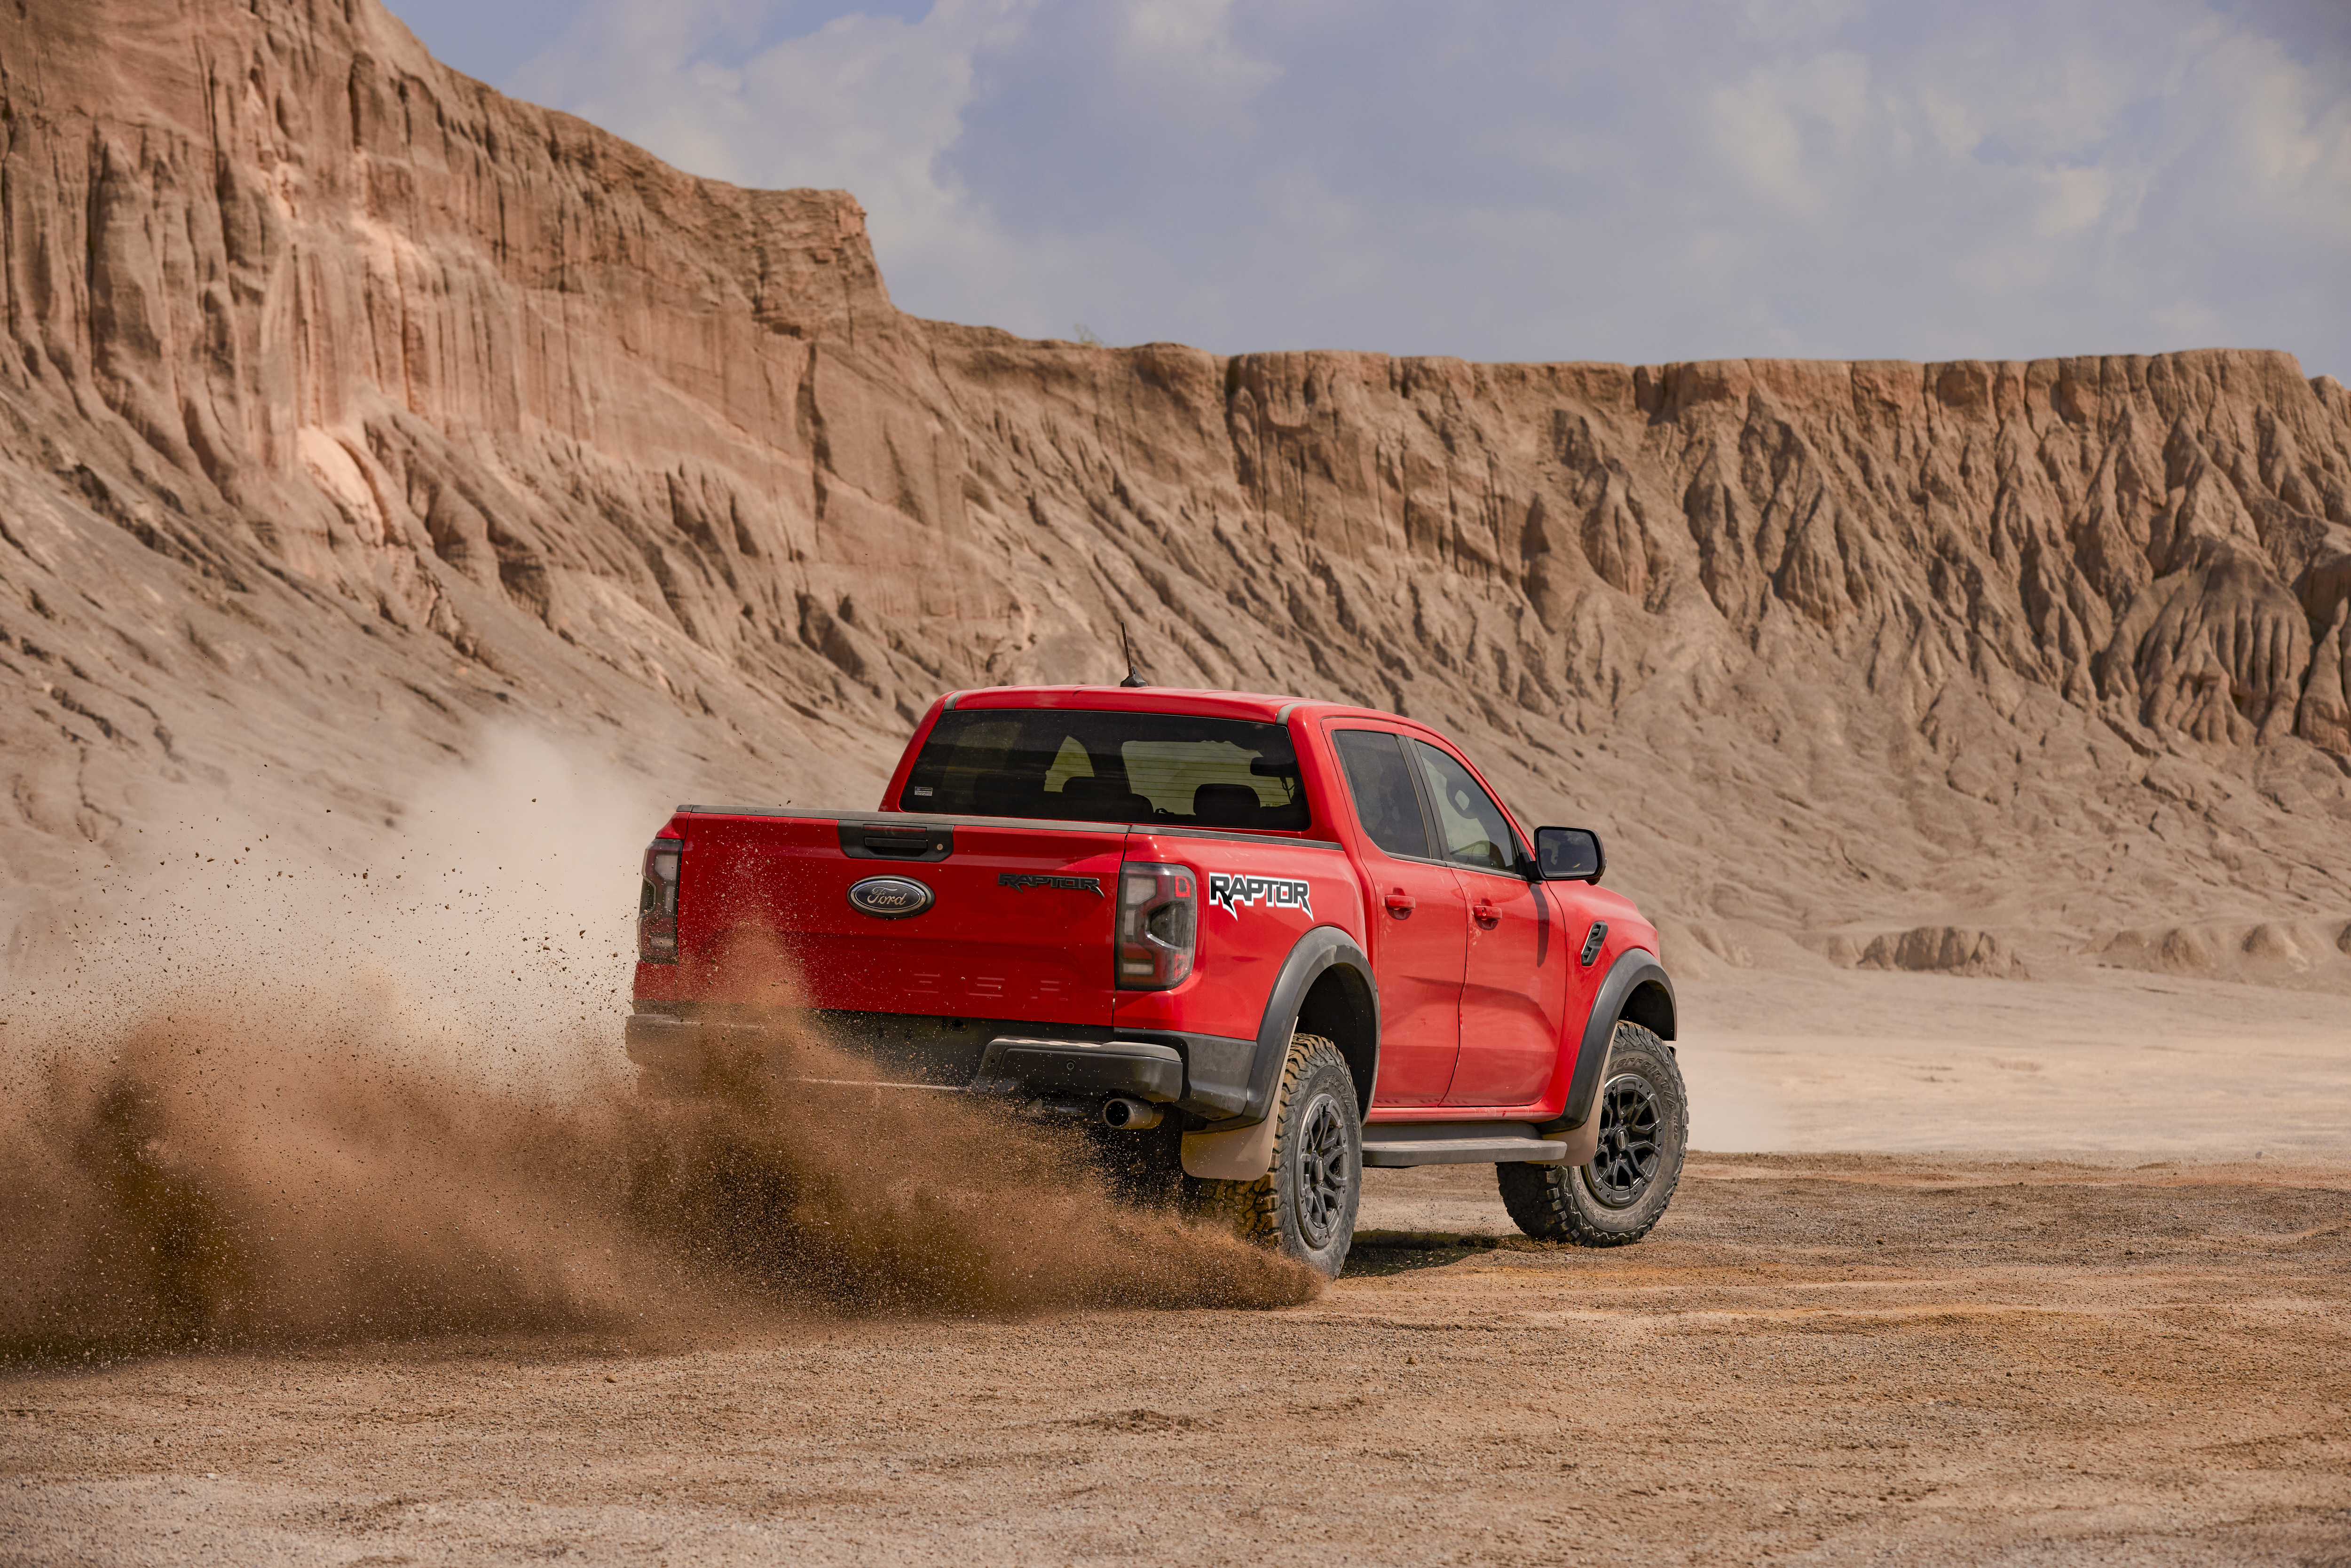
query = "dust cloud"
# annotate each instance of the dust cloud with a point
(318, 1085)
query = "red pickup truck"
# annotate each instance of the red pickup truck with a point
(1280, 940)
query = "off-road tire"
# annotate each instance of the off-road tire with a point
(1305, 1208)
(1644, 1133)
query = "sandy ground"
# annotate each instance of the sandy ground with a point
(1839, 1359)
(1811, 1059)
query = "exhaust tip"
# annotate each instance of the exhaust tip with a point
(1130, 1116)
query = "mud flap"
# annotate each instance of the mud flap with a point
(1246, 1154)
(1582, 1142)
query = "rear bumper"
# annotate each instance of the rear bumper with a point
(1136, 1068)
(993, 1057)
(662, 1040)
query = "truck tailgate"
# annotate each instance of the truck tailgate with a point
(1018, 922)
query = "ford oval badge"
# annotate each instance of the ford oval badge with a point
(890, 897)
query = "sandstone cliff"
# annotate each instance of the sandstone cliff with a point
(347, 405)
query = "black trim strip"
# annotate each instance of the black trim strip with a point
(1234, 835)
(1519, 877)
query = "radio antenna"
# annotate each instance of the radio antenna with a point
(1134, 676)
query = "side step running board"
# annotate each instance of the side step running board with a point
(1457, 1143)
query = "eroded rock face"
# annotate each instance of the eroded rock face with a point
(347, 405)
(1944, 949)
(2271, 953)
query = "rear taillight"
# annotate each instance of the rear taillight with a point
(1158, 924)
(657, 904)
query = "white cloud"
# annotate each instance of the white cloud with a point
(2074, 199)
(1540, 178)
(865, 103)
(1791, 129)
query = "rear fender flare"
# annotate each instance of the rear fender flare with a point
(1636, 988)
(1352, 1002)
(1325, 988)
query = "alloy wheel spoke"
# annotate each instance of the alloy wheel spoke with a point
(1629, 1154)
(1322, 1172)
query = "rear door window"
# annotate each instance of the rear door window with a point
(1471, 828)
(1381, 785)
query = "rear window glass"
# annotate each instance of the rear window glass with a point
(1075, 765)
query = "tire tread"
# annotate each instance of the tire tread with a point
(1253, 1209)
(1541, 1199)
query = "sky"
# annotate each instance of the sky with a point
(1521, 179)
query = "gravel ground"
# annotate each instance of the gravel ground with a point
(1837, 1359)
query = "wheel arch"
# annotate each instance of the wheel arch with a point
(1325, 988)
(1637, 990)
(1650, 1004)
(1342, 1007)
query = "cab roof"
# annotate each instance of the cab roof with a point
(1263, 707)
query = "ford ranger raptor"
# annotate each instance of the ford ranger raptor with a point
(1282, 940)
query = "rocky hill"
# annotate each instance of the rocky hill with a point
(347, 407)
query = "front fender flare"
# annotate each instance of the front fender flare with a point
(1634, 972)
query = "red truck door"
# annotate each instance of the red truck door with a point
(1515, 978)
(1418, 922)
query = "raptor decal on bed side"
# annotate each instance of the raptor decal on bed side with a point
(1230, 893)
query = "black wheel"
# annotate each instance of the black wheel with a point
(1305, 1206)
(1644, 1114)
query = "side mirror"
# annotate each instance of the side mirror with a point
(1569, 854)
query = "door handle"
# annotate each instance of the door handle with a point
(1486, 915)
(1401, 904)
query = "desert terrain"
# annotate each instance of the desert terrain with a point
(2069, 1325)
(407, 494)
(1822, 1359)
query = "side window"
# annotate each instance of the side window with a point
(1472, 829)
(1384, 798)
